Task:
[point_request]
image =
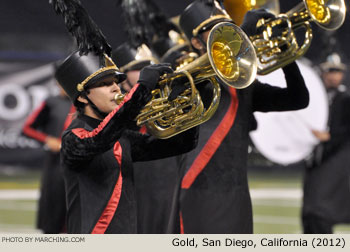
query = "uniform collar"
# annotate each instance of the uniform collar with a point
(93, 122)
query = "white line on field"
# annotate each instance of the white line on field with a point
(275, 193)
(19, 194)
(277, 203)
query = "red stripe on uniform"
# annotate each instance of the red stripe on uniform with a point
(143, 130)
(82, 133)
(213, 143)
(109, 211)
(29, 131)
(69, 118)
(182, 231)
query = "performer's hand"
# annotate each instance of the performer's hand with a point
(251, 19)
(177, 88)
(53, 143)
(149, 75)
(323, 136)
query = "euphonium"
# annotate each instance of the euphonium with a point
(278, 50)
(230, 57)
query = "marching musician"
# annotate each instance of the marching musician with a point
(155, 181)
(327, 178)
(46, 124)
(130, 61)
(100, 145)
(214, 194)
(98, 148)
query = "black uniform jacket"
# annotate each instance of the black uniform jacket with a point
(327, 184)
(214, 190)
(97, 160)
(51, 118)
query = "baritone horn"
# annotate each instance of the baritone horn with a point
(230, 57)
(280, 49)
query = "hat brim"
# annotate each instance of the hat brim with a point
(209, 23)
(136, 65)
(108, 73)
(328, 67)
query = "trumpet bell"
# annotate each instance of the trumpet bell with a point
(328, 14)
(232, 55)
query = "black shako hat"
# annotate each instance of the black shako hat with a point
(169, 51)
(129, 58)
(77, 72)
(162, 45)
(201, 16)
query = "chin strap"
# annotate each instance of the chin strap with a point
(98, 112)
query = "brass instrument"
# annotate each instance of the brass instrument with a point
(118, 98)
(276, 46)
(230, 57)
(238, 8)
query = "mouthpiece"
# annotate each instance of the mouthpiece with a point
(119, 98)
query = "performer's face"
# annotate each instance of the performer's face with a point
(131, 80)
(102, 94)
(332, 79)
(198, 44)
(133, 76)
(205, 36)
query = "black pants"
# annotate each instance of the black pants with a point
(52, 203)
(313, 224)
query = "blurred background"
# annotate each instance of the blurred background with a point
(33, 37)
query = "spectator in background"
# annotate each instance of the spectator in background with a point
(46, 125)
(327, 178)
